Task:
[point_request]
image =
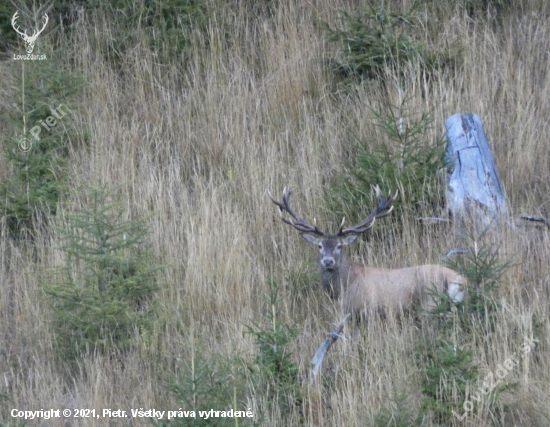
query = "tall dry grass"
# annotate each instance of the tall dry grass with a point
(194, 145)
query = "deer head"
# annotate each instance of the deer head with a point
(29, 40)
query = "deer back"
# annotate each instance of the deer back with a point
(371, 288)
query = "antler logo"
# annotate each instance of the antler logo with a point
(29, 40)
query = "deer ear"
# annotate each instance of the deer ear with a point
(349, 239)
(312, 238)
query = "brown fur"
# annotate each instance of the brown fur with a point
(363, 289)
(379, 289)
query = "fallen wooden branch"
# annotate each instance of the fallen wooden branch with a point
(536, 219)
(456, 251)
(432, 220)
(317, 360)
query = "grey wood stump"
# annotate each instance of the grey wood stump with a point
(474, 193)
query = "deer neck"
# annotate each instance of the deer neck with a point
(335, 280)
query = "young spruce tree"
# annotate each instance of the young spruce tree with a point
(104, 294)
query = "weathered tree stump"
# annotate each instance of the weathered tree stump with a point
(474, 194)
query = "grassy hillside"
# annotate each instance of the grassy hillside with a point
(185, 112)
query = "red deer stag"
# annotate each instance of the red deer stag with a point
(365, 289)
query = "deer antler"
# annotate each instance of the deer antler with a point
(382, 209)
(299, 224)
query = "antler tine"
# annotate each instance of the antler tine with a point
(342, 223)
(384, 205)
(383, 208)
(299, 224)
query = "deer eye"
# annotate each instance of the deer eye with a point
(339, 246)
(320, 245)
